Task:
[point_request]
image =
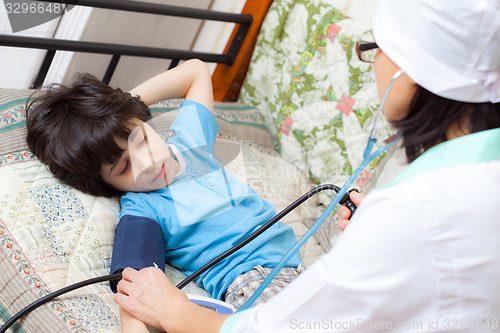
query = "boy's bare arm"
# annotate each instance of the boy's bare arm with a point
(190, 80)
(130, 324)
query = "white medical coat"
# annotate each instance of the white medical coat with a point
(421, 254)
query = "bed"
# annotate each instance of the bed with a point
(301, 118)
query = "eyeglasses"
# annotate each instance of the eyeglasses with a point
(366, 51)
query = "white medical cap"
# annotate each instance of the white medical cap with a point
(449, 47)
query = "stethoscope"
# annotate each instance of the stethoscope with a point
(368, 157)
(342, 197)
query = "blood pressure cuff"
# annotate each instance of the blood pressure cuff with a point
(139, 243)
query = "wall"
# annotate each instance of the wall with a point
(361, 10)
(18, 67)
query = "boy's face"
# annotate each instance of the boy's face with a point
(145, 165)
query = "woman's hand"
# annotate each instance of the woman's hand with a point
(345, 213)
(149, 296)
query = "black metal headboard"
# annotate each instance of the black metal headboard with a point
(118, 50)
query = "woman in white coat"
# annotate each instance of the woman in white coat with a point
(422, 253)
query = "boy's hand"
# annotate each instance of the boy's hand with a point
(345, 213)
(190, 80)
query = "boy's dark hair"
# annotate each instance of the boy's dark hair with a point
(430, 115)
(73, 130)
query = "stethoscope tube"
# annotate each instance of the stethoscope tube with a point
(345, 200)
(55, 294)
(264, 227)
(368, 156)
(193, 276)
(341, 194)
(371, 139)
(342, 197)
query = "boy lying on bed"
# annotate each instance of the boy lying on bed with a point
(97, 139)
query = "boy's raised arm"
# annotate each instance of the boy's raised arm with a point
(190, 80)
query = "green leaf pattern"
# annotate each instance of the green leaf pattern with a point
(318, 99)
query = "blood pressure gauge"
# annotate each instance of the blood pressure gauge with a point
(212, 304)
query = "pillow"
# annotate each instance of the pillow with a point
(52, 236)
(318, 98)
(13, 120)
(240, 122)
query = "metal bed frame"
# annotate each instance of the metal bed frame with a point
(244, 22)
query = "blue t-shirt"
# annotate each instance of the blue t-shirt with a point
(206, 211)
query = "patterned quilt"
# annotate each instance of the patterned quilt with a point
(52, 236)
(317, 97)
(306, 109)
